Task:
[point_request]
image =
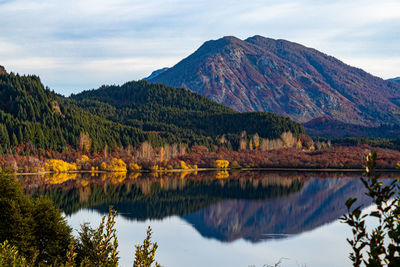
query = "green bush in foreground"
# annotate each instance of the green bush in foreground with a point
(35, 227)
(34, 233)
(381, 246)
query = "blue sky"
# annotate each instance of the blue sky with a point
(77, 45)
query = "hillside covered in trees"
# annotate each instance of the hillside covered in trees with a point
(179, 115)
(120, 116)
(30, 113)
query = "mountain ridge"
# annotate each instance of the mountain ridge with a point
(397, 79)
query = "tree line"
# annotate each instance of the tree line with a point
(121, 116)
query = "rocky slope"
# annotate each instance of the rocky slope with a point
(286, 78)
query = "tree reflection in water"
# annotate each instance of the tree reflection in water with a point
(226, 206)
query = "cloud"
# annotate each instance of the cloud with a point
(75, 45)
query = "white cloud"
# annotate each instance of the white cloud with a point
(387, 67)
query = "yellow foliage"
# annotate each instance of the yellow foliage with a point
(59, 178)
(162, 154)
(84, 158)
(117, 177)
(299, 144)
(222, 174)
(256, 139)
(134, 167)
(184, 166)
(183, 174)
(83, 163)
(154, 168)
(116, 165)
(221, 164)
(56, 165)
(103, 166)
(134, 175)
(84, 183)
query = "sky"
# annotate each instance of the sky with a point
(80, 45)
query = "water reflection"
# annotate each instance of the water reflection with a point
(225, 206)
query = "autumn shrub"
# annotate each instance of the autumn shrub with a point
(221, 164)
(115, 165)
(56, 165)
(83, 163)
(134, 167)
(183, 165)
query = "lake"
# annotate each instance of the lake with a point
(215, 218)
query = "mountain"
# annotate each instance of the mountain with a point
(179, 115)
(155, 74)
(286, 78)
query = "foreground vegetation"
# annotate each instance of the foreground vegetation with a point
(33, 233)
(381, 245)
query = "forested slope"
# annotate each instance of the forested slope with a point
(177, 113)
(115, 116)
(30, 113)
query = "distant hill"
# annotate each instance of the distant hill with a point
(395, 80)
(329, 127)
(286, 78)
(178, 114)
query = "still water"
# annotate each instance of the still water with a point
(216, 219)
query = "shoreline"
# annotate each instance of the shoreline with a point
(275, 169)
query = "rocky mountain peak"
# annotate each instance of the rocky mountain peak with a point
(279, 76)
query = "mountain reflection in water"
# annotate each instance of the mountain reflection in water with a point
(246, 205)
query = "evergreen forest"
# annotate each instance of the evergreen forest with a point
(121, 116)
